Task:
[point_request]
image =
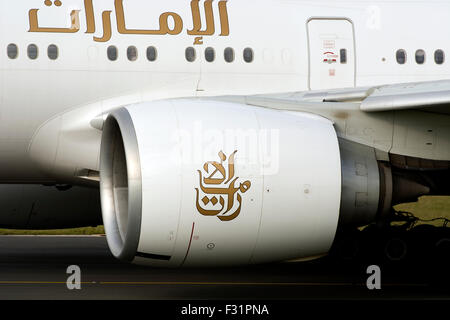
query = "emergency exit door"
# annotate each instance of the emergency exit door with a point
(331, 54)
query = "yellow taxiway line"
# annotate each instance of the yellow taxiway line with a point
(173, 283)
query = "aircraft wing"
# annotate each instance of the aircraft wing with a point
(433, 96)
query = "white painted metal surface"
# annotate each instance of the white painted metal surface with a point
(51, 111)
(331, 54)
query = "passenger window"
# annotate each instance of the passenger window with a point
(401, 56)
(343, 56)
(132, 53)
(439, 56)
(12, 51)
(152, 54)
(248, 55)
(420, 56)
(52, 52)
(32, 51)
(112, 53)
(210, 54)
(229, 55)
(190, 54)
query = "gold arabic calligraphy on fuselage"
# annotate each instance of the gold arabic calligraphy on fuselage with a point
(199, 30)
(219, 189)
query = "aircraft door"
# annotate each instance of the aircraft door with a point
(331, 54)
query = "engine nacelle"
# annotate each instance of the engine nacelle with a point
(198, 182)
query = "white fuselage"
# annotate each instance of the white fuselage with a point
(288, 39)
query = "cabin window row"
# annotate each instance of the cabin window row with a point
(228, 54)
(132, 53)
(12, 50)
(420, 56)
(190, 54)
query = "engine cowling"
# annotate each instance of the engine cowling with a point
(200, 182)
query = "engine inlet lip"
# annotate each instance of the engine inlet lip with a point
(123, 248)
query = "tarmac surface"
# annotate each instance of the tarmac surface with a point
(34, 267)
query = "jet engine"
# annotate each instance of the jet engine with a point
(214, 183)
